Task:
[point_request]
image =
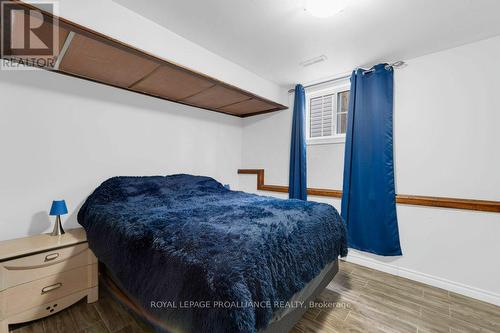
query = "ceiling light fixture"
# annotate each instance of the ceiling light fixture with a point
(324, 8)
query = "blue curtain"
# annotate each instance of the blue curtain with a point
(297, 185)
(368, 199)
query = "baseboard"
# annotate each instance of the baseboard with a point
(434, 281)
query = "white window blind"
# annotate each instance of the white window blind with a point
(326, 113)
(321, 116)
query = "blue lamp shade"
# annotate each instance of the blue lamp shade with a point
(58, 208)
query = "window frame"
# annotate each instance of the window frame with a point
(334, 89)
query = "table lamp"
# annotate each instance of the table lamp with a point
(58, 208)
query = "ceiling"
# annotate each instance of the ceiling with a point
(272, 38)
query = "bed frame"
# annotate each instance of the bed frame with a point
(282, 325)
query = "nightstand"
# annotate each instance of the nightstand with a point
(43, 274)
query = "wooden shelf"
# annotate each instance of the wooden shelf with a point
(96, 57)
(92, 59)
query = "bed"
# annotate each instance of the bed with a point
(197, 257)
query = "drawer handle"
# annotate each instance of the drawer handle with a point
(52, 287)
(51, 256)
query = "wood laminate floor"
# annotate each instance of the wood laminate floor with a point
(359, 299)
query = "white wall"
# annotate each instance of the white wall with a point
(447, 114)
(60, 137)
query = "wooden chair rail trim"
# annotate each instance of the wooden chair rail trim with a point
(417, 200)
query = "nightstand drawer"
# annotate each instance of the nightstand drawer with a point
(18, 271)
(29, 295)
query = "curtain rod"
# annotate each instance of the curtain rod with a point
(396, 64)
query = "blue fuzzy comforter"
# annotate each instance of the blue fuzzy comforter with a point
(186, 238)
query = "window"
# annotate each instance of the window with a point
(327, 114)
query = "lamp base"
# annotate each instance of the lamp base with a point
(58, 229)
